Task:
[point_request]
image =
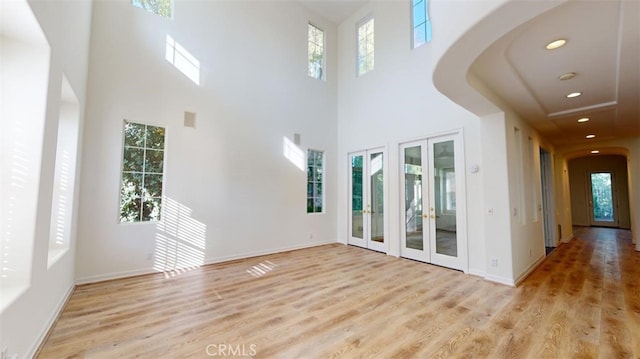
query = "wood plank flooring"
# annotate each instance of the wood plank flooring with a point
(339, 301)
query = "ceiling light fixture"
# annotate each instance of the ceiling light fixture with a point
(567, 76)
(574, 94)
(595, 151)
(584, 119)
(590, 136)
(556, 44)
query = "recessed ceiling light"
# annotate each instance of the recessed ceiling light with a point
(590, 136)
(556, 44)
(595, 151)
(574, 94)
(567, 76)
(584, 119)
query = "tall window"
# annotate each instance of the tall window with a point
(365, 46)
(142, 173)
(421, 22)
(315, 181)
(162, 8)
(316, 53)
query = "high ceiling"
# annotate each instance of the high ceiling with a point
(334, 10)
(602, 49)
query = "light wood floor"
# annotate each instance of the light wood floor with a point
(342, 301)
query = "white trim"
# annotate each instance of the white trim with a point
(477, 272)
(568, 239)
(44, 333)
(500, 280)
(208, 261)
(530, 270)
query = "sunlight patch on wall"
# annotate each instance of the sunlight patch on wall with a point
(293, 153)
(180, 240)
(182, 60)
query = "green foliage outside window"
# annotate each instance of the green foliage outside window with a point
(356, 183)
(142, 173)
(316, 53)
(162, 8)
(315, 169)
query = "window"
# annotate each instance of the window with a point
(365, 47)
(142, 172)
(162, 8)
(315, 181)
(421, 22)
(316, 53)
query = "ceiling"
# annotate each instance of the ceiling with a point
(335, 11)
(602, 49)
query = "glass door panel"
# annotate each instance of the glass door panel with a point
(366, 193)
(357, 228)
(602, 199)
(376, 207)
(445, 198)
(413, 197)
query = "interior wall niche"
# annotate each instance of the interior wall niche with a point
(24, 78)
(64, 174)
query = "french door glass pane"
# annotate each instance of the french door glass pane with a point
(602, 198)
(356, 197)
(413, 197)
(445, 198)
(377, 197)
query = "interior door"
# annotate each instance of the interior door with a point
(602, 201)
(367, 205)
(429, 199)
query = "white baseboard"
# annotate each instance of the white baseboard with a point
(530, 270)
(500, 280)
(50, 322)
(568, 239)
(207, 261)
(265, 252)
(477, 272)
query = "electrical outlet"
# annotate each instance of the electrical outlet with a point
(490, 211)
(494, 262)
(310, 235)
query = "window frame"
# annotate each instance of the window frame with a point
(139, 4)
(427, 23)
(323, 65)
(359, 24)
(122, 173)
(322, 182)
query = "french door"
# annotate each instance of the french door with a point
(366, 193)
(429, 187)
(602, 202)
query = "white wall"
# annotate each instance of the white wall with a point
(23, 324)
(227, 176)
(397, 102)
